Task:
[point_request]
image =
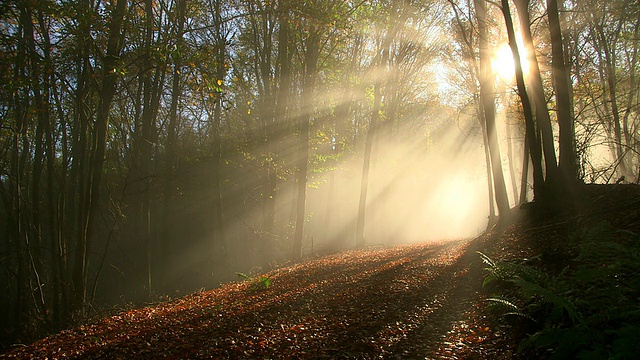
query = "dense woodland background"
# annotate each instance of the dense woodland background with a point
(149, 148)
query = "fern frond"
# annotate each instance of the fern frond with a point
(243, 276)
(486, 259)
(559, 302)
(513, 309)
(520, 314)
(490, 278)
(503, 302)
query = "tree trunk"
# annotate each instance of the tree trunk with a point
(564, 103)
(487, 160)
(534, 143)
(633, 89)
(34, 238)
(145, 143)
(488, 104)
(218, 248)
(98, 154)
(171, 149)
(311, 60)
(542, 119)
(475, 73)
(364, 182)
(524, 180)
(611, 78)
(512, 170)
(78, 188)
(399, 16)
(53, 218)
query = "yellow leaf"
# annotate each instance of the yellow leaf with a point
(219, 82)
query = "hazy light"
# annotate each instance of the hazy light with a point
(502, 63)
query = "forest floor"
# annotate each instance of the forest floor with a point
(406, 302)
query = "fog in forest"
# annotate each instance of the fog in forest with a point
(152, 148)
(427, 183)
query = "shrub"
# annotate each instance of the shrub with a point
(590, 310)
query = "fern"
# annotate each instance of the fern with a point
(487, 260)
(514, 310)
(590, 309)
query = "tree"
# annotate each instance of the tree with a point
(397, 17)
(488, 109)
(542, 116)
(171, 147)
(465, 35)
(218, 248)
(91, 197)
(564, 102)
(604, 78)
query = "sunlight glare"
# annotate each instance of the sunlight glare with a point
(502, 63)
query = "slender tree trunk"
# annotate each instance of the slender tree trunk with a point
(524, 180)
(50, 154)
(364, 182)
(144, 158)
(77, 191)
(611, 78)
(534, 144)
(488, 102)
(475, 72)
(171, 156)
(283, 126)
(631, 97)
(543, 119)
(35, 237)
(512, 170)
(20, 147)
(276, 130)
(219, 249)
(487, 160)
(308, 86)
(98, 154)
(399, 18)
(53, 218)
(564, 103)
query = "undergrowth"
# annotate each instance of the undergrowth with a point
(259, 283)
(589, 310)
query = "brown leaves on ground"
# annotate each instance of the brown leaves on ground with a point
(414, 301)
(406, 302)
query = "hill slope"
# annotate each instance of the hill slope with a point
(411, 301)
(356, 304)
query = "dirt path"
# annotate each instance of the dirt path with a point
(402, 302)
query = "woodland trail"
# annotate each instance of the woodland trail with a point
(409, 301)
(422, 301)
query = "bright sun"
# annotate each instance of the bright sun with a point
(502, 63)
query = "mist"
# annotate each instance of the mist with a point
(151, 149)
(428, 182)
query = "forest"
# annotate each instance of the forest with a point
(152, 148)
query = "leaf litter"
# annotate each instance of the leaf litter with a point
(421, 301)
(406, 301)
